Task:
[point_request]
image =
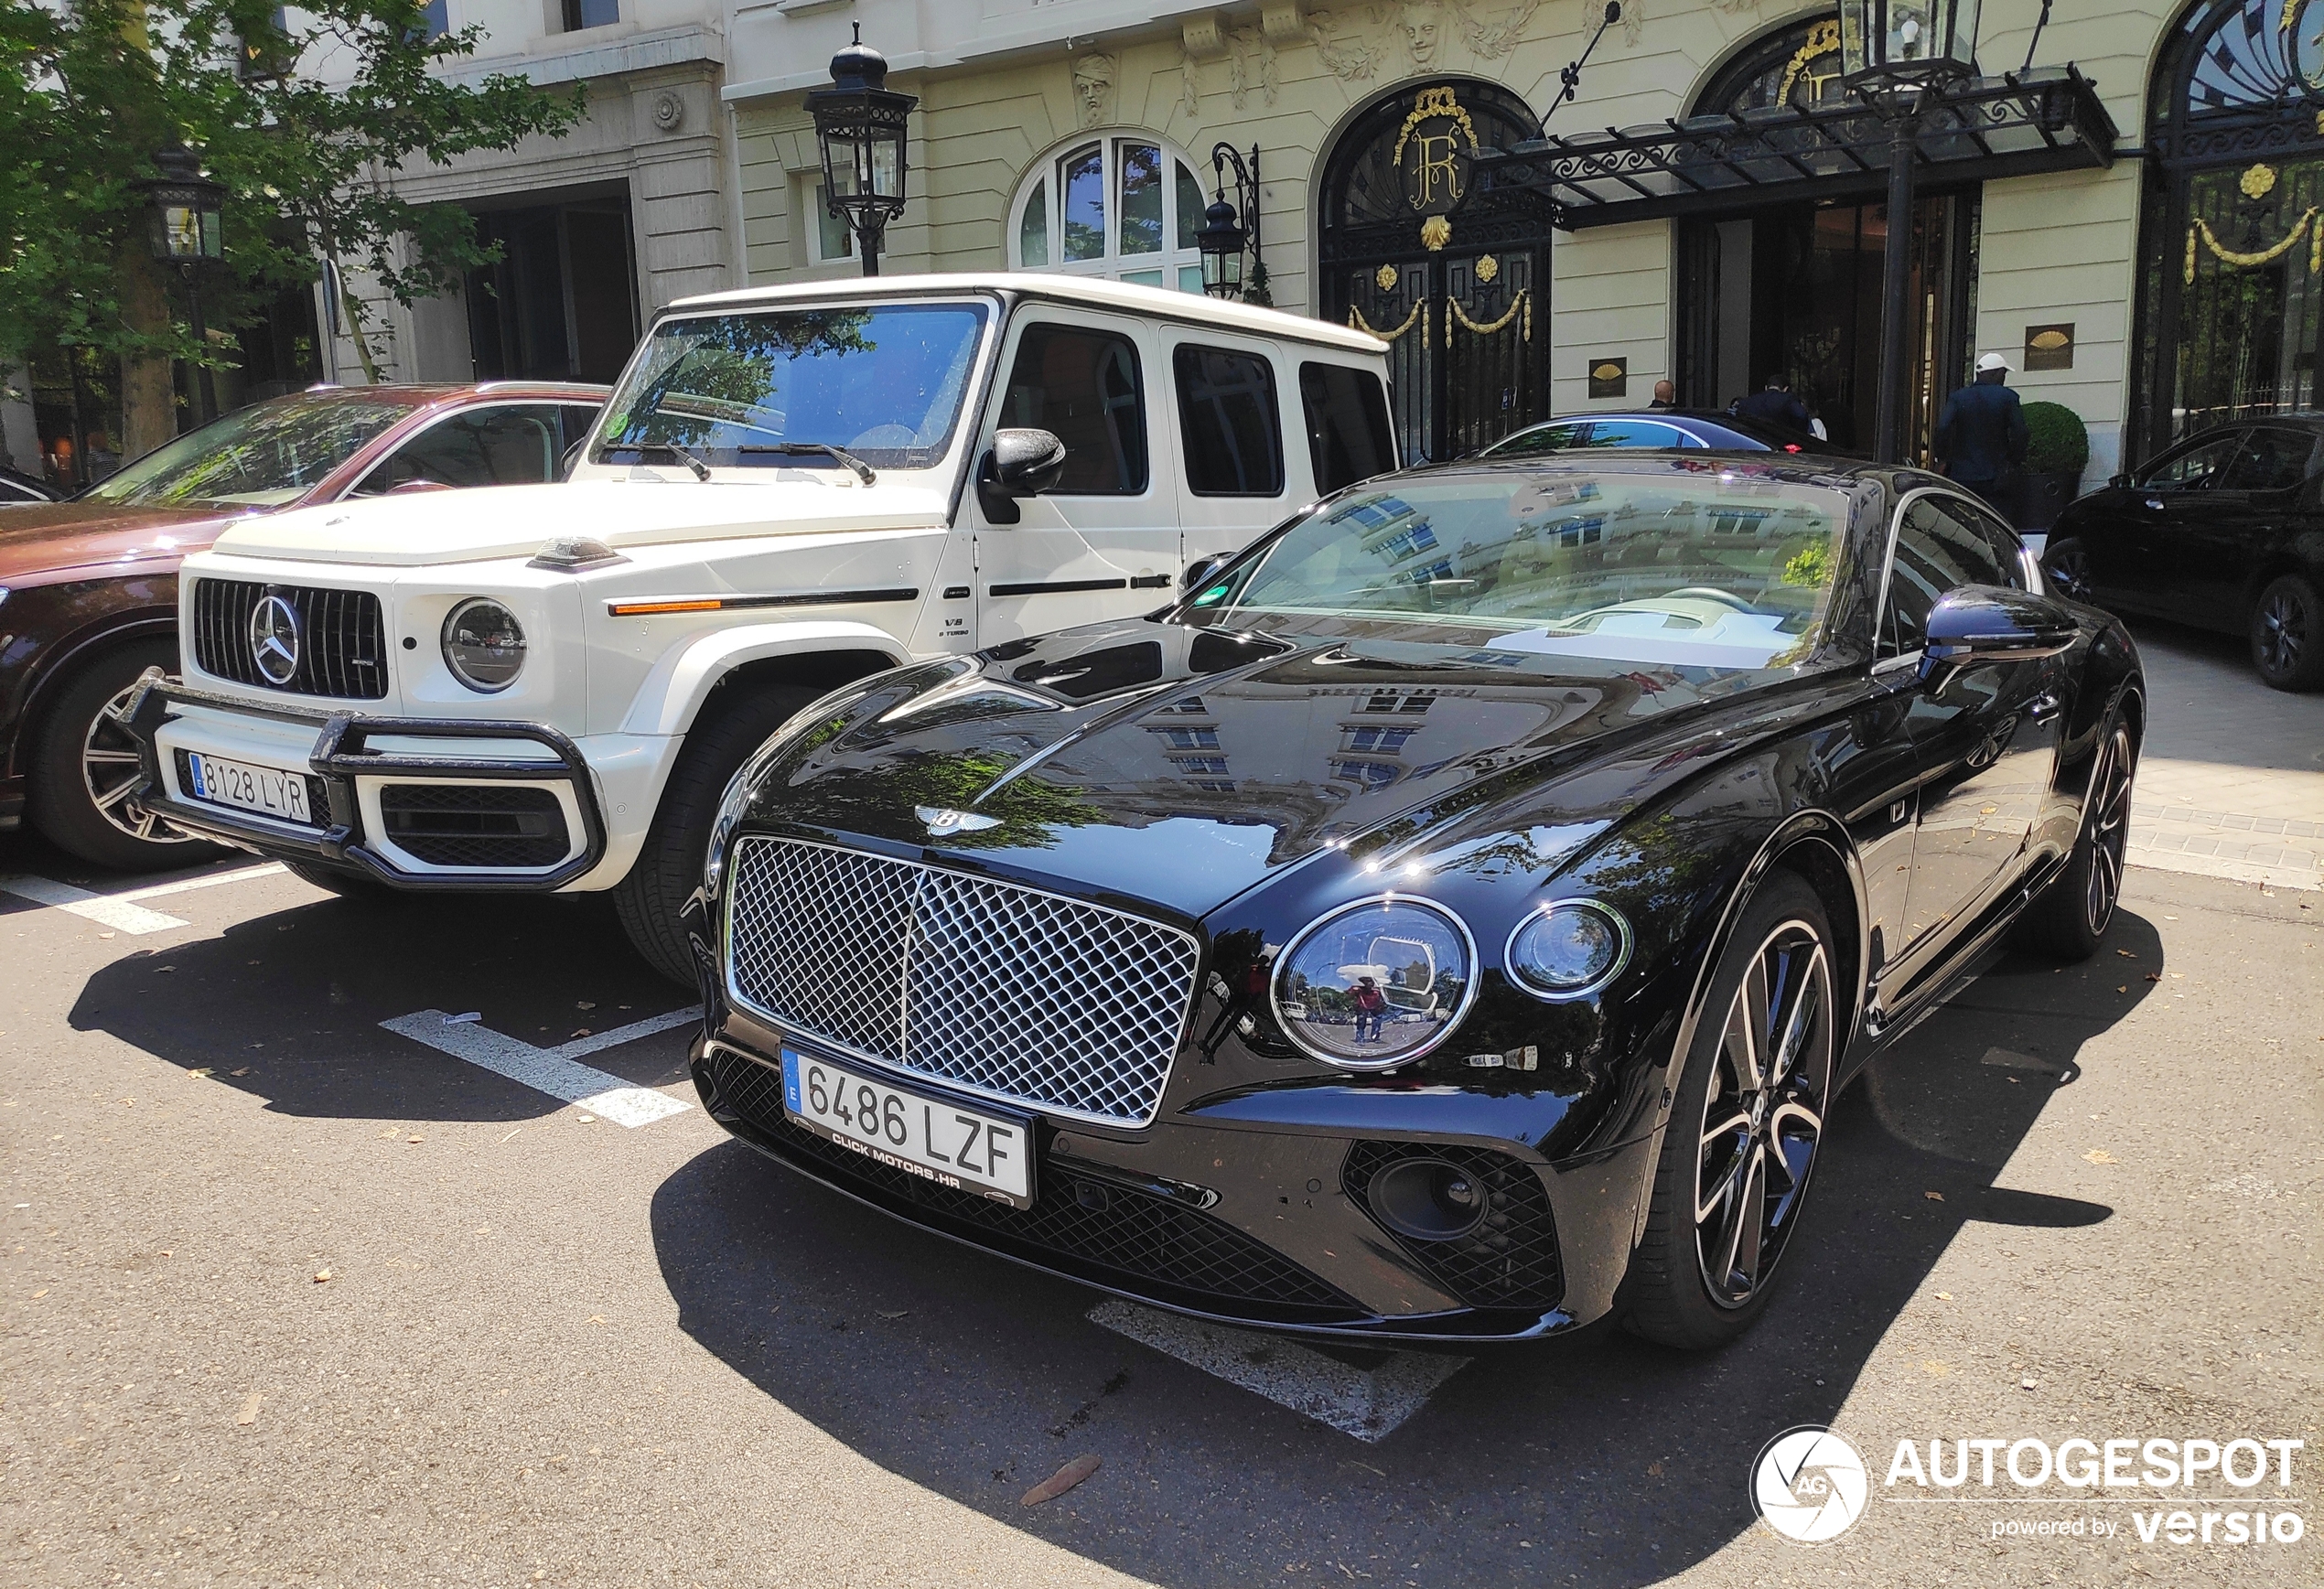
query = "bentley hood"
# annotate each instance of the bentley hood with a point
(1183, 764)
(483, 523)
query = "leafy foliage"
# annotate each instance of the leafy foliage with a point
(2056, 439)
(91, 91)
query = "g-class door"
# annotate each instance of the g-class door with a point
(1105, 542)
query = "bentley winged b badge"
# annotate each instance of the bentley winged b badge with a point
(943, 823)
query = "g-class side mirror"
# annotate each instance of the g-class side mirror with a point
(1198, 573)
(1990, 623)
(1019, 463)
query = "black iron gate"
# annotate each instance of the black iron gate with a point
(1457, 279)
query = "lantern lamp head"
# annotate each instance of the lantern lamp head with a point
(860, 123)
(1907, 42)
(186, 211)
(1220, 239)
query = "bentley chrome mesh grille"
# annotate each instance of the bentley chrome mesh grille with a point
(999, 989)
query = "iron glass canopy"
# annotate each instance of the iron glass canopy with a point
(2016, 124)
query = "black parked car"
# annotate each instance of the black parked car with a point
(2224, 532)
(1452, 921)
(1659, 428)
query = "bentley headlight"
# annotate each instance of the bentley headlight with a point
(483, 645)
(1568, 950)
(1376, 984)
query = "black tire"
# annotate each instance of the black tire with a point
(1781, 951)
(345, 885)
(2066, 565)
(2287, 635)
(2068, 921)
(669, 867)
(84, 763)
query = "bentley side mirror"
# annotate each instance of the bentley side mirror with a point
(1978, 624)
(2118, 481)
(1019, 463)
(1198, 573)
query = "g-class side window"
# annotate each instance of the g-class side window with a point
(1350, 436)
(1233, 433)
(1082, 387)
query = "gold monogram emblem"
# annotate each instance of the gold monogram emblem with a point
(1386, 277)
(1488, 268)
(1433, 179)
(2259, 181)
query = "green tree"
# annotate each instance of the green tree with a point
(91, 91)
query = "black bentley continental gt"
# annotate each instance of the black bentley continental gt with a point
(1452, 921)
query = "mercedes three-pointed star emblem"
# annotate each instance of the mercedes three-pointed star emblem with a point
(273, 640)
(943, 823)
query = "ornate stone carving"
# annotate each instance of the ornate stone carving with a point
(1350, 58)
(1422, 31)
(668, 111)
(1492, 39)
(1631, 21)
(1093, 90)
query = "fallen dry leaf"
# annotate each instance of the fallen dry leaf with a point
(249, 1414)
(410, 1139)
(596, 1318)
(2028, 1383)
(582, 1033)
(1937, 1368)
(900, 1313)
(2101, 1157)
(388, 1136)
(41, 1293)
(1934, 1196)
(2124, 989)
(2125, 954)
(585, 1004)
(322, 1277)
(1063, 1479)
(2153, 976)
(1944, 1296)
(244, 1071)
(199, 1070)
(1653, 1470)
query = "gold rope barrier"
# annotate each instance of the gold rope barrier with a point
(2291, 240)
(1419, 308)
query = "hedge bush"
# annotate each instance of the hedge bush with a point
(2056, 441)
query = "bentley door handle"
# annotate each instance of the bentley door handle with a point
(2044, 708)
(2156, 503)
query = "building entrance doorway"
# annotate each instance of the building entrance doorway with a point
(560, 302)
(1795, 289)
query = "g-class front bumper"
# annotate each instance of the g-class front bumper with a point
(415, 803)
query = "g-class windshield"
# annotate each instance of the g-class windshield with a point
(885, 382)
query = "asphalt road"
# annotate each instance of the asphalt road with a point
(553, 1348)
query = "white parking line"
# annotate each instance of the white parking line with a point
(101, 908)
(555, 1071)
(208, 880)
(1367, 1403)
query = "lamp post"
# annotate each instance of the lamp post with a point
(1229, 228)
(186, 211)
(1899, 55)
(859, 122)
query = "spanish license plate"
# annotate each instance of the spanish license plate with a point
(269, 792)
(966, 1149)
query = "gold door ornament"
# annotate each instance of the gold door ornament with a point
(1386, 278)
(1522, 303)
(2307, 227)
(1419, 313)
(1488, 268)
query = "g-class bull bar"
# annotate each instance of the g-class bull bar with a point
(340, 755)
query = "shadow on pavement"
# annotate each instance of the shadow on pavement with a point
(1601, 1461)
(286, 1005)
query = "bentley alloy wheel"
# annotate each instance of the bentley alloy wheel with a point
(1763, 1112)
(2108, 828)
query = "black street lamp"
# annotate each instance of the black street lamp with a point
(859, 122)
(186, 212)
(1229, 228)
(1899, 55)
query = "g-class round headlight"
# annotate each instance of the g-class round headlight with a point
(1568, 950)
(1377, 983)
(483, 645)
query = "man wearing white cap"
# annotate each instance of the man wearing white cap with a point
(1981, 435)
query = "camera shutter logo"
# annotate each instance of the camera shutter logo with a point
(1809, 1485)
(273, 640)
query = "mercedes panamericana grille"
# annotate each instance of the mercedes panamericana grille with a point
(1454, 919)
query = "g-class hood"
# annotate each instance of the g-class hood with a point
(408, 530)
(1181, 764)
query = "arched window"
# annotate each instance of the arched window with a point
(2230, 308)
(1121, 206)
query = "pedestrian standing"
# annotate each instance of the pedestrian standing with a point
(1774, 404)
(1981, 434)
(1665, 395)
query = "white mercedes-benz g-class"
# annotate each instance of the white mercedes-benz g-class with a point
(547, 687)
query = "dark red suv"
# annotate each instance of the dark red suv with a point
(89, 587)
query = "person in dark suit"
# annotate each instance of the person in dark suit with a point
(1774, 404)
(1981, 434)
(1665, 395)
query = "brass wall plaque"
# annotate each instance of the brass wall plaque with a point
(1610, 378)
(2050, 346)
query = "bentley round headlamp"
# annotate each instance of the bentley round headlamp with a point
(1568, 950)
(1376, 984)
(483, 645)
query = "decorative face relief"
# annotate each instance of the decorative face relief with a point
(1093, 90)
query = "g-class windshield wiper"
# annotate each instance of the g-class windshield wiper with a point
(805, 449)
(648, 449)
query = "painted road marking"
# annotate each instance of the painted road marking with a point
(1368, 1403)
(120, 911)
(208, 880)
(555, 1071)
(101, 908)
